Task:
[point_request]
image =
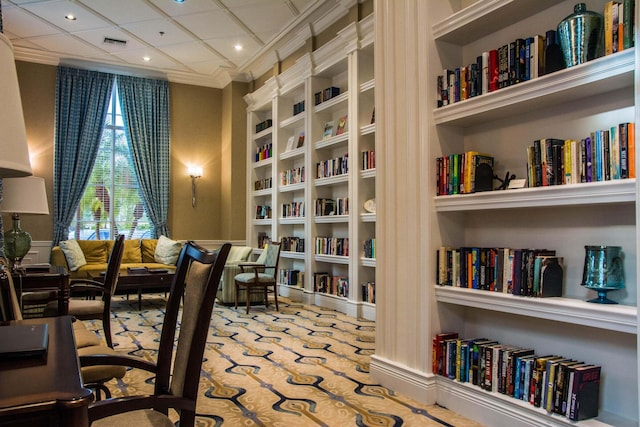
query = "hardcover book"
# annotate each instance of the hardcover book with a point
(585, 392)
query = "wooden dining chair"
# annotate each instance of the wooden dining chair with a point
(95, 308)
(177, 369)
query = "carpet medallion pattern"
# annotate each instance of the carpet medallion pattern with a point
(301, 366)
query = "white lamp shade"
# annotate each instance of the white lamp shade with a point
(26, 195)
(14, 152)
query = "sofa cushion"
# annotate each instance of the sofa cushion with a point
(73, 253)
(95, 251)
(132, 252)
(148, 249)
(167, 251)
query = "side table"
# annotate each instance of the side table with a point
(55, 279)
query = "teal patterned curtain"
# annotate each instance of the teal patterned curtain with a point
(145, 111)
(82, 100)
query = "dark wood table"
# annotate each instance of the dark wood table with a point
(56, 278)
(139, 281)
(38, 392)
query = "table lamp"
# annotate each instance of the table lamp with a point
(21, 196)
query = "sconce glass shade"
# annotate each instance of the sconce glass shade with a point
(603, 271)
(26, 195)
(14, 161)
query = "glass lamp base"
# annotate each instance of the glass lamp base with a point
(17, 243)
(602, 296)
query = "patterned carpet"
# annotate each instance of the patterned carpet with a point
(302, 366)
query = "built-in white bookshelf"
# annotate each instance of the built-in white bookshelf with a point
(346, 65)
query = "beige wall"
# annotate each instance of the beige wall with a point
(196, 137)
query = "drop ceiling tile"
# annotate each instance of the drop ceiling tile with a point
(135, 57)
(226, 46)
(67, 45)
(207, 68)
(172, 8)
(55, 12)
(262, 16)
(215, 24)
(150, 32)
(123, 11)
(23, 24)
(190, 53)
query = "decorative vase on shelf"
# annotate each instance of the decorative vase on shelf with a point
(603, 271)
(580, 35)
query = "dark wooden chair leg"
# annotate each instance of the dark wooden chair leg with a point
(248, 296)
(235, 295)
(275, 295)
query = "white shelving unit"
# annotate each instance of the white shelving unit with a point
(415, 42)
(345, 62)
(570, 103)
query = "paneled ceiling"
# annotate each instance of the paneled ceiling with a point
(193, 41)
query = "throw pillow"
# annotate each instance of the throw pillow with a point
(73, 254)
(167, 251)
(132, 253)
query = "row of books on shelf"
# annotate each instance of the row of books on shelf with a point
(291, 277)
(326, 94)
(263, 212)
(369, 292)
(529, 57)
(332, 167)
(298, 107)
(292, 244)
(262, 184)
(263, 152)
(333, 285)
(618, 25)
(328, 207)
(456, 173)
(558, 384)
(266, 124)
(292, 142)
(524, 272)
(337, 246)
(292, 176)
(263, 239)
(370, 248)
(368, 160)
(602, 156)
(292, 210)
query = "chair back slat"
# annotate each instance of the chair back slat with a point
(195, 285)
(9, 305)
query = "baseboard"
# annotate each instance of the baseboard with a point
(418, 385)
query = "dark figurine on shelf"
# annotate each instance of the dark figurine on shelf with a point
(504, 183)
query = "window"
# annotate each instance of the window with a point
(111, 203)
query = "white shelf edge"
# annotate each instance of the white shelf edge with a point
(467, 393)
(328, 142)
(263, 133)
(330, 219)
(368, 85)
(291, 220)
(263, 163)
(263, 221)
(296, 152)
(292, 255)
(338, 179)
(368, 262)
(600, 75)
(336, 100)
(616, 191)
(263, 192)
(368, 173)
(368, 217)
(289, 121)
(333, 259)
(291, 187)
(620, 318)
(368, 129)
(485, 17)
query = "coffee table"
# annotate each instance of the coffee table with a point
(138, 281)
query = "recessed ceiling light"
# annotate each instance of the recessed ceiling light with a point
(179, 1)
(146, 58)
(70, 17)
(238, 47)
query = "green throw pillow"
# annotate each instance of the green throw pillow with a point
(167, 251)
(73, 254)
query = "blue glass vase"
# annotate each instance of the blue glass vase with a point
(603, 271)
(580, 35)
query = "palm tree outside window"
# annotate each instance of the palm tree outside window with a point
(111, 203)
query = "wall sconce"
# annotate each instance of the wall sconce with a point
(195, 172)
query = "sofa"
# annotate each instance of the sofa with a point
(137, 254)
